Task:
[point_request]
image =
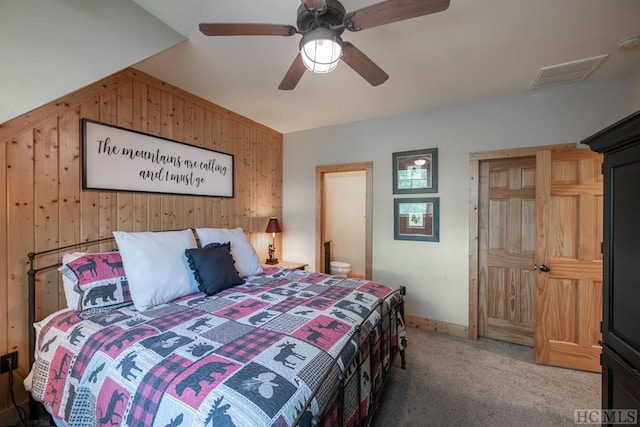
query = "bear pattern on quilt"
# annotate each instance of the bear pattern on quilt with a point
(250, 355)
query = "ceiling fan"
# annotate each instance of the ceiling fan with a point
(321, 22)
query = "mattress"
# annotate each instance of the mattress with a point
(268, 352)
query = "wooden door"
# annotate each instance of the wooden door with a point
(569, 235)
(507, 239)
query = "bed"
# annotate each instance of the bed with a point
(277, 347)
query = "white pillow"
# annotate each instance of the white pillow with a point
(244, 255)
(68, 284)
(156, 266)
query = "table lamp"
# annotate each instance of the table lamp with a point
(273, 227)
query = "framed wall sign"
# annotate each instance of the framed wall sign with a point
(417, 219)
(415, 171)
(114, 158)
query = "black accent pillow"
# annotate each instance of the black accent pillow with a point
(213, 267)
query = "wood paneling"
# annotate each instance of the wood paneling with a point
(43, 206)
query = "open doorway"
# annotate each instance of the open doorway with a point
(326, 178)
(546, 202)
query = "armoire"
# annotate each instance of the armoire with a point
(620, 144)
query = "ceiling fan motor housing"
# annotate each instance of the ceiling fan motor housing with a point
(332, 17)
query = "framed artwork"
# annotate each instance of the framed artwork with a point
(417, 219)
(415, 171)
(115, 158)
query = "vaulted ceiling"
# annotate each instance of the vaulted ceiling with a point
(473, 50)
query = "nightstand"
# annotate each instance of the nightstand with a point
(287, 264)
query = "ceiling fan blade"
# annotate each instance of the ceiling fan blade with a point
(294, 74)
(212, 29)
(390, 11)
(362, 65)
(319, 5)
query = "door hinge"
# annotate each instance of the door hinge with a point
(601, 326)
(601, 248)
(602, 168)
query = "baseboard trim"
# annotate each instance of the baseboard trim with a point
(436, 326)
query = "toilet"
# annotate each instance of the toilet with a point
(339, 268)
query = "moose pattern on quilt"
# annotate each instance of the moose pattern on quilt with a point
(250, 355)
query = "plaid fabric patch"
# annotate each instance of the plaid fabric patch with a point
(351, 402)
(90, 347)
(164, 310)
(313, 278)
(215, 305)
(327, 387)
(336, 292)
(276, 283)
(247, 290)
(350, 283)
(319, 303)
(295, 275)
(261, 280)
(81, 410)
(152, 388)
(249, 345)
(285, 323)
(316, 289)
(172, 320)
(287, 304)
(40, 375)
(311, 373)
(332, 280)
(227, 332)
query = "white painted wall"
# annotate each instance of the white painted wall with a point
(49, 48)
(436, 274)
(345, 217)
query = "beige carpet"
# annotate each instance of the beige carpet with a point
(451, 381)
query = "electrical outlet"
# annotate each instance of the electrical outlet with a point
(4, 362)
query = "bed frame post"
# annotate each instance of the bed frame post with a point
(342, 386)
(403, 362)
(33, 405)
(359, 370)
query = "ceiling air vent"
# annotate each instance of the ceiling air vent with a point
(568, 72)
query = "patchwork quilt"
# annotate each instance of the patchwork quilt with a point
(251, 355)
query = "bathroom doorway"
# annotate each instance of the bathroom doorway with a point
(344, 215)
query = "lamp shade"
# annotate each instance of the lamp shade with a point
(321, 50)
(273, 226)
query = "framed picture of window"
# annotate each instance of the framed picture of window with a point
(417, 219)
(415, 171)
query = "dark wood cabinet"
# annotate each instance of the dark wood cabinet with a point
(620, 144)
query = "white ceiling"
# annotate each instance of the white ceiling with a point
(475, 49)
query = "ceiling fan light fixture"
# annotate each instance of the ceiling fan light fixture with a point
(321, 50)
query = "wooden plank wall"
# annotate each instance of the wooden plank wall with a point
(43, 206)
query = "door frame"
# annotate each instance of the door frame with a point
(474, 212)
(321, 171)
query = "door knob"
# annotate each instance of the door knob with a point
(544, 268)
